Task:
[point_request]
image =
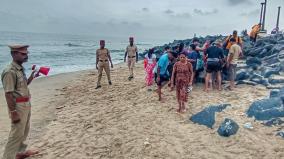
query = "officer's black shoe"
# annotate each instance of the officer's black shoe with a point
(109, 83)
(99, 86)
(130, 78)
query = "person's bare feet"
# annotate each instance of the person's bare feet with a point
(26, 154)
(178, 111)
(162, 100)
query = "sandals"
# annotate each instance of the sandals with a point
(130, 78)
(99, 86)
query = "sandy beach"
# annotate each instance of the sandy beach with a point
(73, 120)
(46, 96)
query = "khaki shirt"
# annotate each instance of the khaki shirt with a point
(235, 50)
(14, 80)
(102, 54)
(131, 50)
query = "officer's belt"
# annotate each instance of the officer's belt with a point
(22, 99)
(103, 60)
(131, 56)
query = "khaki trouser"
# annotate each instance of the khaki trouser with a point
(103, 66)
(131, 64)
(18, 133)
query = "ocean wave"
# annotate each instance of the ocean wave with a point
(76, 45)
(117, 50)
(145, 44)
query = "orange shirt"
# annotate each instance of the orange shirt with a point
(238, 40)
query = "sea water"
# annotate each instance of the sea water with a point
(64, 53)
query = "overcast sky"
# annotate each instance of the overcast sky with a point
(164, 19)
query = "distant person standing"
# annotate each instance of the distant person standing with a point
(255, 30)
(162, 74)
(132, 54)
(215, 58)
(15, 84)
(182, 71)
(150, 58)
(103, 59)
(227, 43)
(234, 54)
(193, 56)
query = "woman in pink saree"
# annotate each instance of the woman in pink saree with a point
(149, 65)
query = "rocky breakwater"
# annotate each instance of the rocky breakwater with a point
(264, 62)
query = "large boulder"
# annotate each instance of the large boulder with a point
(246, 82)
(228, 127)
(242, 75)
(207, 116)
(280, 57)
(277, 48)
(255, 51)
(273, 122)
(266, 109)
(274, 93)
(253, 60)
(280, 133)
(275, 79)
(270, 71)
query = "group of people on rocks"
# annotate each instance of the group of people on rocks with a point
(180, 66)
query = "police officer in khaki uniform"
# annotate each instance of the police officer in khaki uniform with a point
(15, 84)
(132, 54)
(102, 63)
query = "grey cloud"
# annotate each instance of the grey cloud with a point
(145, 9)
(251, 13)
(200, 12)
(168, 11)
(183, 15)
(171, 13)
(236, 2)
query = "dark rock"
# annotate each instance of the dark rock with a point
(253, 60)
(274, 93)
(242, 75)
(277, 48)
(228, 127)
(264, 82)
(259, 43)
(280, 133)
(271, 71)
(274, 121)
(207, 116)
(280, 58)
(256, 80)
(266, 109)
(274, 86)
(246, 82)
(255, 51)
(281, 42)
(276, 79)
(256, 75)
(263, 53)
(269, 60)
(268, 47)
